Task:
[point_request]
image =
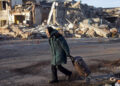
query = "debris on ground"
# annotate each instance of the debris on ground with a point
(73, 18)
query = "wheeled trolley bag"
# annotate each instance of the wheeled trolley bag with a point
(80, 66)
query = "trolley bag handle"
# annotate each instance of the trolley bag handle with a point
(72, 59)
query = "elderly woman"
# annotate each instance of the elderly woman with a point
(60, 52)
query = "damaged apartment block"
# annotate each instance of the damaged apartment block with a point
(4, 12)
(29, 14)
(25, 12)
(22, 13)
(72, 18)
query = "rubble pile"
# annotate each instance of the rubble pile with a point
(112, 12)
(35, 32)
(90, 11)
(93, 28)
(14, 32)
(72, 19)
(75, 15)
(87, 21)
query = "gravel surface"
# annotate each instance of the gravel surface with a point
(27, 62)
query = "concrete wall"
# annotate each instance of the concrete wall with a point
(4, 16)
(26, 14)
(60, 15)
(11, 19)
(38, 15)
(4, 13)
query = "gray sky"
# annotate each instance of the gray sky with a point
(102, 3)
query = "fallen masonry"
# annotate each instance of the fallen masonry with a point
(72, 19)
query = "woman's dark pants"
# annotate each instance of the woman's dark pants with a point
(61, 69)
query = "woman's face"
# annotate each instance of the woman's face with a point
(47, 33)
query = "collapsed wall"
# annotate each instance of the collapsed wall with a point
(72, 19)
(81, 20)
(4, 12)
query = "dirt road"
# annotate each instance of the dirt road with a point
(27, 63)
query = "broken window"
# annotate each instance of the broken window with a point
(19, 19)
(3, 23)
(3, 5)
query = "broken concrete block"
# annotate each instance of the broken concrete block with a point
(113, 30)
(19, 32)
(71, 31)
(7, 32)
(79, 32)
(87, 21)
(25, 35)
(91, 33)
(12, 34)
(103, 26)
(101, 32)
(16, 30)
(82, 25)
(113, 79)
(70, 26)
(4, 31)
(78, 36)
(84, 30)
(96, 20)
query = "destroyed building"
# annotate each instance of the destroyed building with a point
(72, 18)
(82, 20)
(112, 15)
(26, 14)
(4, 12)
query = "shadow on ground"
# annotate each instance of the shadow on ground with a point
(32, 69)
(37, 68)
